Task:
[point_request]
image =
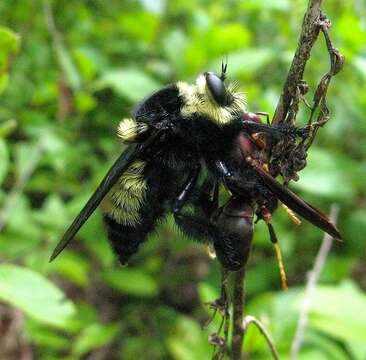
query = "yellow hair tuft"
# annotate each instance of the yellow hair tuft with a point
(124, 200)
(197, 100)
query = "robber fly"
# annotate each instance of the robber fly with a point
(176, 136)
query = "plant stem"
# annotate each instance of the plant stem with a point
(252, 320)
(238, 313)
(309, 34)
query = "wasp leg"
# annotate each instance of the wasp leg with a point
(277, 248)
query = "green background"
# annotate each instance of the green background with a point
(69, 71)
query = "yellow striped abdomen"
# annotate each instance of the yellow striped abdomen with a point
(126, 197)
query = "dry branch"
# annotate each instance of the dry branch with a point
(308, 36)
(238, 311)
(286, 111)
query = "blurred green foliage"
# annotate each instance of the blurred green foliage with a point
(69, 71)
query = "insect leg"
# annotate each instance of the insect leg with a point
(196, 224)
(192, 224)
(208, 200)
(187, 190)
(275, 132)
(265, 114)
(240, 184)
(277, 248)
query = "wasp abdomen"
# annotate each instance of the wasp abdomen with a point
(236, 222)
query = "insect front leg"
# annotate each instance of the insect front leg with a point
(275, 132)
(195, 224)
(242, 183)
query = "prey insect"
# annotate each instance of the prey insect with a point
(177, 136)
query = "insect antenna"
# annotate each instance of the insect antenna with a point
(223, 69)
(277, 248)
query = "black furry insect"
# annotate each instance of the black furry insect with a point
(175, 137)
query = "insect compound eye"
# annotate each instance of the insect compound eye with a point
(217, 89)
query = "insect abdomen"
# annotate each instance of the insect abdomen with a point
(125, 199)
(133, 207)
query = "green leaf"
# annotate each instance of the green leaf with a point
(207, 292)
(9, 44)
(4, 160)
(7, 127)
(94, 336)
(44, 336)
(4, 80)
(154, 6)
(26, 158)
(72, 267)
(84, 59)
(283, 5)
(245, 62)
(278, 313)
(87, 314)
(337, 268)
(131, 23)
(53, 213)
(324, 347)
(84, 102)
(189, 341)
(340, 312)
(71, 71)
(131, 282)
(324, 175)
(358, 349)
(132, 84)
(35, 295)
(360, 63)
